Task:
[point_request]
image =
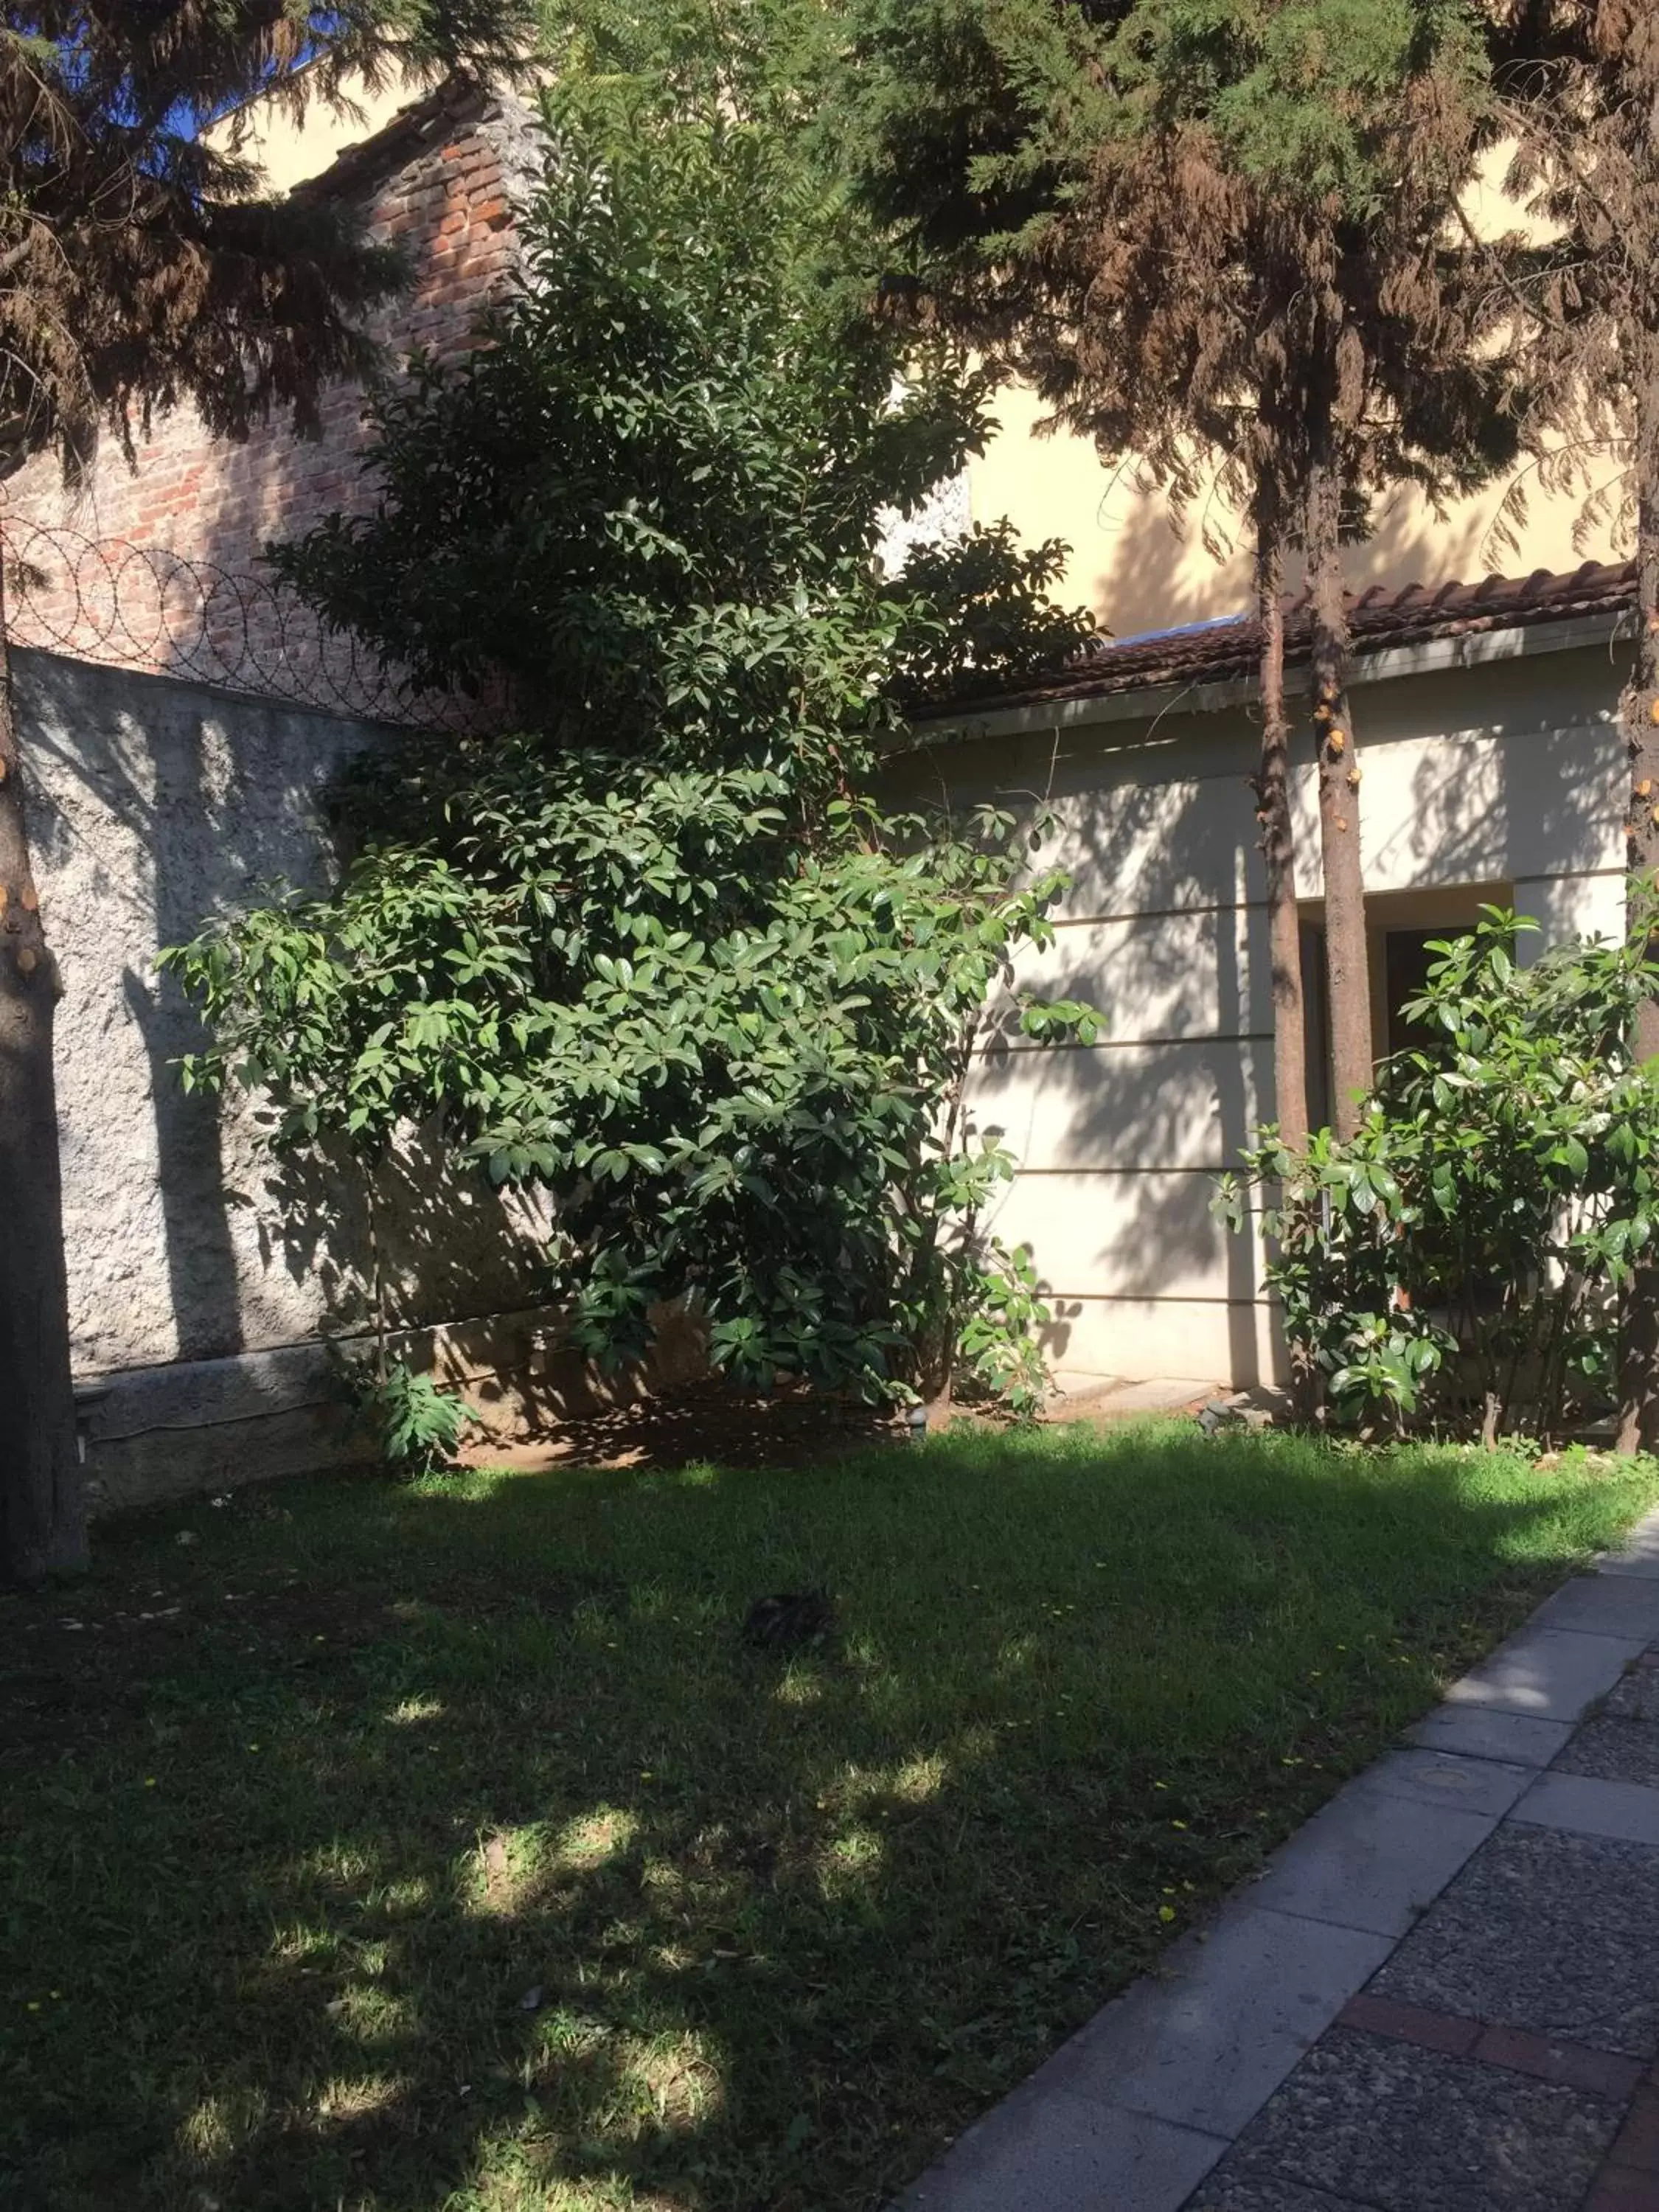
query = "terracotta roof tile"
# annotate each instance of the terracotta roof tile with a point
(1214, 653)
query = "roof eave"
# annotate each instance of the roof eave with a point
(1384, 664)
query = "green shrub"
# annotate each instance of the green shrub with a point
(1462, 1258)
(416, 1426)
(661, 954)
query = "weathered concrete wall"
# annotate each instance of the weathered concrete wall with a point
(156, 804)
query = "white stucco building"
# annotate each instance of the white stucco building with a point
(1494, 771)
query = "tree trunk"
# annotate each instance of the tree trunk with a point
(1273, 793)
(1347, 964)
(1638, 1425)
(42, 1517)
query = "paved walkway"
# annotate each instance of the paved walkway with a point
(1442, 1996)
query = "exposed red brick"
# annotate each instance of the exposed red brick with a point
(1430, 2031)
(445, 203)
(1571, 2065)
(1638, 2141)
(1621, 2189)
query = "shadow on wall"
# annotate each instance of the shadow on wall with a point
(1144, 1120)
(1408, 545)
(1475, 810)
(1158, 573)
(190, 1167)
(156, 804)
(423, 1228)
(1143, 572)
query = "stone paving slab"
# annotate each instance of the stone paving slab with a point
(1481, 1732)
(1589, 1806)
(1552, 1674)
(1620, 2190)
(1411, 2131)
(1636, 2147)
(1108, 1398)
(1604, 1605)
(1637, 1555)
(1614, 1750)
(1370, 1860)
(1052, 2152)
(1208, 2039)
(1430, 1777)
(1546, 1931)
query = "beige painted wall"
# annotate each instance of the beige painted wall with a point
(1507, 773)
(1138, 571)
(289, 152)
(1128, 561)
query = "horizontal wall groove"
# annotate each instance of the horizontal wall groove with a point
(1130, 915)
(1008, 1049)
(1154, 1298)
(1120, 1173)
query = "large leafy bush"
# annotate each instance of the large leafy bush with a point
(1463, 1256)
(661, 954)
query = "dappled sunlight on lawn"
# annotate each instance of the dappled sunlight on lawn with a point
(543, 1891)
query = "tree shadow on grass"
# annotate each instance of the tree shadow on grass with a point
(707, 1421)
(548, 1892)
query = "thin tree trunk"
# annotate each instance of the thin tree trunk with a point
(1273, 793)
(1347, 964)
(42, 1514)
(1639, 1423)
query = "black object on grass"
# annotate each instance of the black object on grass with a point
(790, 1622)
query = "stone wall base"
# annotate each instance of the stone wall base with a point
(153, 1434)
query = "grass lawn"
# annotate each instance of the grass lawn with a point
(442, 1847)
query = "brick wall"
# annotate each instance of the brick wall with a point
(440, 180)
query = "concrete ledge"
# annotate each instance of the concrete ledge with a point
(158, 1466)
(198, 1393)
(153, 1434)
(1372, 1860)
(1605, 1604)
(1434, 1775)
(1482, 1732)
(1639, 1556)
(1057, 2153)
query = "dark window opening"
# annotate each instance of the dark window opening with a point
(1406, 960)
(1399, 963)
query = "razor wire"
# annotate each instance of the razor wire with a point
(162, 613)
